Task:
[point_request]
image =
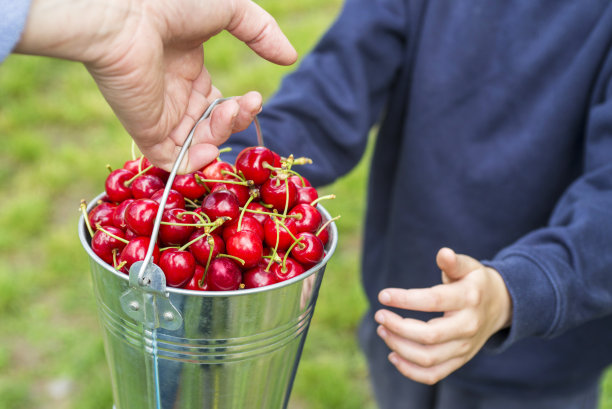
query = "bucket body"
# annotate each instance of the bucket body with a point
(236, 349)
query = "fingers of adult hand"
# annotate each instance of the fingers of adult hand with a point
(250, 105)
(460, 325)
(430, 375)
(425, 356)
(258, 29)
(439, 298)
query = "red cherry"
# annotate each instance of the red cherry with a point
(247, 246)
(115, 185)
(253, 162)
(309, 219)
(145, 185)
(242, 192)
(299, 181)
(178, 266)
(258, 277)
(134, 165)
(307, 195)
(323, 235)
(102, 214)
(261, 218)
(279, 194)
(194, 283)
(271, 232)
(201, 248)
(136, 250)
(104, 244)
(309, 250)
(119, 215)
(221, 203)
(175, 200)
(178, 233)
(216, 170)
(140, 216)
(129, 234)
(223, 275)
(247, 223)
(188, 186)
(290, 269)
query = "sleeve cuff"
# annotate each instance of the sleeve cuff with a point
(534, 299)
(14, 14)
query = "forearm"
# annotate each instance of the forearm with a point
(70, 29)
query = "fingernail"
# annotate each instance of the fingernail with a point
(382, 332)
(384, 297)
(380, 317)
(393, 359)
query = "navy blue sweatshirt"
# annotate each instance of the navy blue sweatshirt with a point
(494, 137)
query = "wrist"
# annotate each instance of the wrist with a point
(504, 301)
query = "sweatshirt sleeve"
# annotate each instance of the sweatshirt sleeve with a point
(14, 13)
(326, 108)
(560, 276)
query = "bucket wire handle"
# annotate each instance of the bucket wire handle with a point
(147, 300)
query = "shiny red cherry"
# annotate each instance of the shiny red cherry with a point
(221, 203)
(177, 233)
(188, 186)
(102, 214)
(279, 232)
(258, 277)
(241, 191)
(307, 195)
(247, 223)
(140, 216)
(223, 275)
(178, 266)
(299, 181)
(136, 250)
(104, 244)
(307, 217)
(279, 193)
(194, 283)
(145, 185)
(216, 170)
(116, 185)
(253, 162)
(260, 217)
(309, 250)
(201, 249)
(245, 245)
(119, 215)
(291, 268)
(175, 200)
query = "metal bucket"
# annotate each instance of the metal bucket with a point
(235, 349)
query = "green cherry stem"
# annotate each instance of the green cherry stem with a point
(238, 259)
(140, 173)
(327, 223)
(226, 149)
(114, 236)
(211, 245)
(83, 208)
(326, 197)
(191, 202)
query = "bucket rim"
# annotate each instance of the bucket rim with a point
(333, 242)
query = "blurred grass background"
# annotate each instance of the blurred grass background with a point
(57, 134)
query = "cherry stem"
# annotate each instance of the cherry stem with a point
(211, 246)
(86, 217)
(120, 265)
(287, 229)
(133, 148)
(191, 202)
(284, 216)
(286, 197)
(170, 247)
(114, 236)
(196, 214)
(275, 249)
(114, 257)
(203, 181)
(140, 173)
(237, 176)
(226, 149)
(326, 197)
(238, 259)
(109, 168)
(291, 248)
(327, 223)
(244, 208)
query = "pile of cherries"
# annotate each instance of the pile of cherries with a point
(224, 227)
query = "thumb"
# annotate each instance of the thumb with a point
(258, 29)
(455, 266)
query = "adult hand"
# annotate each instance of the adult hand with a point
(475, 303)
(147, 58)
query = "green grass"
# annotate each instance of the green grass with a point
(57, 136)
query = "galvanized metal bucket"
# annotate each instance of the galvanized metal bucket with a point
(171, 348)
(236, 349)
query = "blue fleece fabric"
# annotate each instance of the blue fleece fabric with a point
(494, 138)
(14, 13)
